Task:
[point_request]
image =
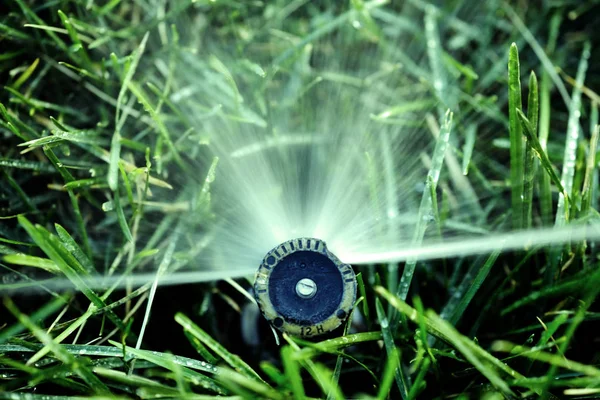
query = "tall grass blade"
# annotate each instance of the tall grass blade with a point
(516, 138)
(530, 170)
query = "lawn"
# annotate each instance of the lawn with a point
(154, 151)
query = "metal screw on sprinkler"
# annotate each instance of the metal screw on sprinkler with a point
(306, 288)
(303, 289)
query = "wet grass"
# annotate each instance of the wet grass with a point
(107, 175)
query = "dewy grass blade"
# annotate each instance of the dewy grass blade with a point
(473, 288)
(544, 131)
(545, 161)
(44, 239)
(532, 115)
(233, 360)
(250, 388)
(78, 367)
(387, 379)
(115, 148)
(468, 147)
(546, 62)
(162, 269)
(550, 358)
(591, 287)
(516, 138)
(565, 287)
(590, 169)
(74, 249)
(31, 261)
(40, 315)
(121, 216)
(391, 350)
(466, 347)
(166, 361)
(570, 154)
(363, 293)
(487, 364)
(326, 381)
(426, 207)
(78, 47)
(434, 53)
(142, 97)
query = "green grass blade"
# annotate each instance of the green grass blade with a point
(569, 156)
(250, 387)
(31, 261)
(390, 348)
(39, 315)
(167, 361)
(426, 207)
(566, 286)
(387, 379)
(45, 241)
(488, 365)
(544, 131)
(26, 74)
(516, 138)
(78, 367)
(545, 161)
(74, 249)
(121, 217)
(474, 286)
(292, 372)
(434, 54)
(591, 165)
(529, 168)
(233, 360)
(115, 148)
(419, 382)
(553, 359)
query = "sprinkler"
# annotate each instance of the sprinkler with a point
(303, 289)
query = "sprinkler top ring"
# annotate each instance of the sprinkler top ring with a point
(304, 289)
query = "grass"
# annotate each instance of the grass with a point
(108, 176)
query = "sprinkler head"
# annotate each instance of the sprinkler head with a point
(303, 289)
